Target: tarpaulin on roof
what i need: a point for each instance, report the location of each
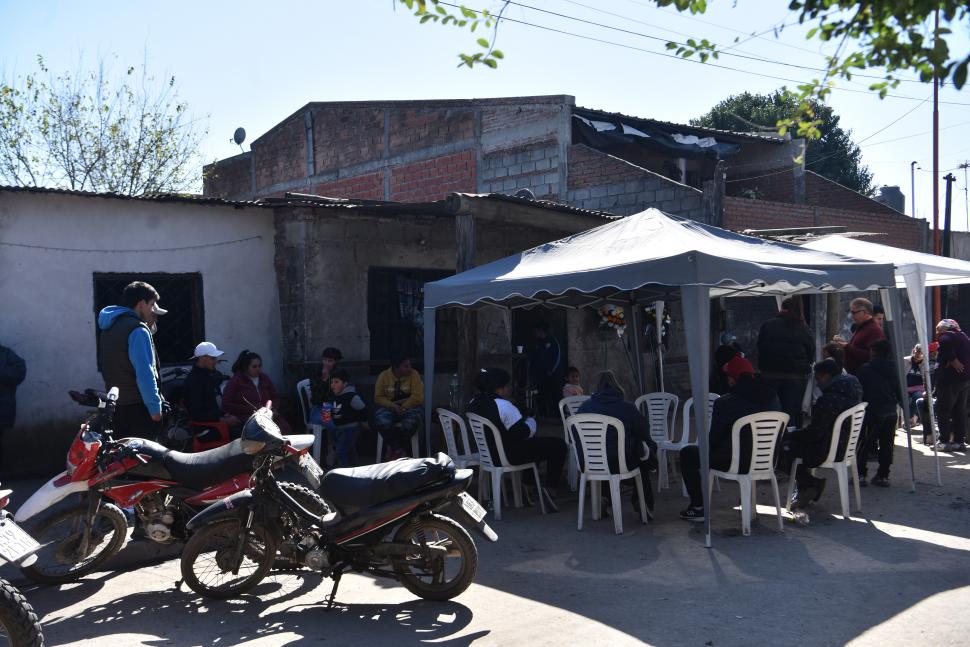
(599, 132)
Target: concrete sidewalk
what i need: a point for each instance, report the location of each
(895, 575)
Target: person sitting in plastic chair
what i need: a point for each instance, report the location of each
(399, 396)
(343, 415)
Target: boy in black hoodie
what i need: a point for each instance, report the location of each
(347, 413)
(880, 388)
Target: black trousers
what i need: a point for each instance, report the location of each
(793, 446)
(951, 411)
(690, 468)
(549, 394)
(133, 421)
(551, 451)
(791, 392)
(881, 430)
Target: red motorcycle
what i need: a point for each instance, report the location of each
(164, 488)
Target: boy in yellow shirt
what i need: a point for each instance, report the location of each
(399, 398)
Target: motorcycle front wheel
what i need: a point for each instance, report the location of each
(438, 578)
(18, 622)
(60, 535)
(212, 554)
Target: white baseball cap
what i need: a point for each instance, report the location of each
(207, 349)
(159, 311)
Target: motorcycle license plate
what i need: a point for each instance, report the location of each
(311, 471)
(15, 543)
(471, 506)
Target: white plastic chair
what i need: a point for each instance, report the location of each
(590, 430)
(843, 467)
(498, 465)
(686, 421)
(464, 456)
(766, 427)
(303, 394)
(415, 450)
(661, 411)
(568, 407)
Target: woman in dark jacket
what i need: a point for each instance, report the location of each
(786, 350)
(517, 431)
(608, 400)
(249, 389)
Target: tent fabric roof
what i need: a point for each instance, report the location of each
(939, 270)
(651, 254)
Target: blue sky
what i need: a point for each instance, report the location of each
(251, 64)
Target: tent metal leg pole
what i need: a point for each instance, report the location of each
(635, 319)
(894, 320)
(658, 322)
(429, 337)
(696, 300)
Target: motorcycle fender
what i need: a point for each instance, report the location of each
(50, 493)
(229, 507)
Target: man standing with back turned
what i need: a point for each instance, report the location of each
(128, 360)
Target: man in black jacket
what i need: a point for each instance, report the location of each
(747, 395)
(880, 388)
(13, 370)
(811, 444)
(786, 350)
(201, 388)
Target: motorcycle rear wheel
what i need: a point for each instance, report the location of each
(442, 578)
(18, 622)
(58, 560)
(211, 553)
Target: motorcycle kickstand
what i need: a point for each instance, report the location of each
(333, 592)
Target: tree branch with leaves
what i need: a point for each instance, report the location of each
(89, 131)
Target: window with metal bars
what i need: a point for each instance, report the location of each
(395, 315)
(181, 294)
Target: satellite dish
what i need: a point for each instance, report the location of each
(239, 137)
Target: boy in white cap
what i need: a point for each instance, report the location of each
(201, 387)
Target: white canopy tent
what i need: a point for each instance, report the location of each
(640, 259)
(915, 272)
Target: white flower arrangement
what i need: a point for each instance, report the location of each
(612, 316)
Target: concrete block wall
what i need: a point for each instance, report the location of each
(604, 182)
(899, 230)
(532, 166)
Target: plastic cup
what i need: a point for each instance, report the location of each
(518, 349)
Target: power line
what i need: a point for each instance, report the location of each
(748, 57)
(695, 61)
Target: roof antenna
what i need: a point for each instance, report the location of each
(239, 137)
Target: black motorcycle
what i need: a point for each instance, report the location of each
(388, 522)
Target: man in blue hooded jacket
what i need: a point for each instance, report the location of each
(128, 360)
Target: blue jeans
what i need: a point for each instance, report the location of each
(343, 440)
(408, 424)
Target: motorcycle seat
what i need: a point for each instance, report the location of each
(351, 489)
(202, 469)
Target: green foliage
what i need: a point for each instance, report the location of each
(88, 131)
(891, 36)
(435, 11)
(832, 154)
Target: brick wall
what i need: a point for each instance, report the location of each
(228, 178)
(281, 154)
(607, 183)
(819, 191)
(414, 129)
(899, 230)
(434, 179)
(343, 137)
(363, 187)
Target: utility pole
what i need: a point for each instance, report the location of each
(947, 235)
(912, 189)
(936, 165)
(966, 195)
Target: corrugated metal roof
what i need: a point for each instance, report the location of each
(771, 139)
(185, 198)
